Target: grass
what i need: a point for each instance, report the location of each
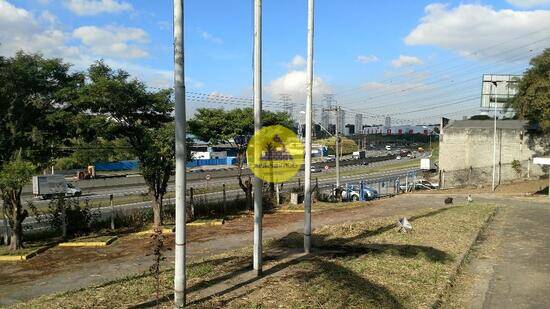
(28, 248)
(364, 265)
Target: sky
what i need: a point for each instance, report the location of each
(412, 60)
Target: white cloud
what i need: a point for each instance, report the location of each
(94, 7)
(48, 17)
(297, 62)
(404, 61)
(470, 29)
(294, 84)
(111, 41)
(21, 30)
(210, 38)
(529, 3)
(366, 59)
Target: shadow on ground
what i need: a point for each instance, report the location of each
(322, 260)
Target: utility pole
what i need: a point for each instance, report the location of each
(495, 83)
(287, 105)
(258, 183)
(179, 92)
(337, 146)
(309, 112)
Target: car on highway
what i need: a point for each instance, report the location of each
(70, 191)
(420, 185)
(315, 169)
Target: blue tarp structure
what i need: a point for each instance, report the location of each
(130, 165)
(118, 166)
(203, 162)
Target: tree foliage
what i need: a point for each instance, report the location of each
(36, 118)
(533, 99)
(235, 127)
(216, 125)
(141, 117)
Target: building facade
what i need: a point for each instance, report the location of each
(466, 152)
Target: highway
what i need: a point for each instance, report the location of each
(386, 177)
(119, 187)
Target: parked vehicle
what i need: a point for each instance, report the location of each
(329, 158)
(47, 186)
(388, 147)
(420, 185)
(398, 158)
(354, 194)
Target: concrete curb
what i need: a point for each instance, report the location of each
(207, 223)
(26, 257)
(89, 243)
(463, 260)
(164, 231)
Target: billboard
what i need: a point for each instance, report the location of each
(498, 89)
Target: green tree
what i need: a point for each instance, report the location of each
(13, 176)
(36, 118)
(234, 127)
(157, 163)
(141, 117)
(532, 101)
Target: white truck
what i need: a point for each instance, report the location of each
(426, 164)
(359, 154)
(47, 186)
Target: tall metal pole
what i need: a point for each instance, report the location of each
(179, 92)
(337, 147)
(495, 139)
(258, 183)
(309, 111)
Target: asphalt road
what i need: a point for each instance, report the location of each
(375, 180)
(197, 180)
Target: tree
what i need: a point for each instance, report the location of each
(157, 163)
(234, 127)
(13, 176)
(141, 117)
(36, 118)
(532, 101)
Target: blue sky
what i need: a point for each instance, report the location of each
(403, 55)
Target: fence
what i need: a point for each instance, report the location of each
(384, 186)
(219, 201)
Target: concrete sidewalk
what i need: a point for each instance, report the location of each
(512, 269)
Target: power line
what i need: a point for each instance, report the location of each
(456, 58)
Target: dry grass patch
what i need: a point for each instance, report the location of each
(362, 265)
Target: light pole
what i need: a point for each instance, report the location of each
(495, 83)
(179, 93)
(309, 114)
(258, 183)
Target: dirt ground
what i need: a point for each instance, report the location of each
(62, 269)
(526, 188)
